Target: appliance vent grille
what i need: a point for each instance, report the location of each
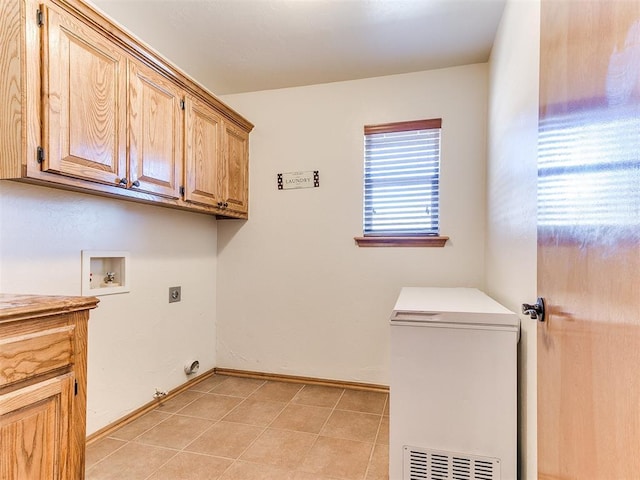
(426, 464)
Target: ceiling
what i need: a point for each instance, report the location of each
(233, 46)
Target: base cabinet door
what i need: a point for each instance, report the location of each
(34, 431)
(84, 101)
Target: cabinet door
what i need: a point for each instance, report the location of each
(34, 431)
(155, 133)
(234, 169)
(203, 142)
(84, 101)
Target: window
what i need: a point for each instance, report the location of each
(401, 184)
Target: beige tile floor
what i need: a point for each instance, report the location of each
(232, 428)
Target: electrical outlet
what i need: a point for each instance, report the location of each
(175, 294)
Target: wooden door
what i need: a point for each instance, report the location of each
(84, 101)
(34, 431)
(155, 133)
(589, 241)
(203, 139)
(234, 170)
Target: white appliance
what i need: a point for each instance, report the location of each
(453, 404)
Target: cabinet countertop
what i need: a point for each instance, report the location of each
(14, 307)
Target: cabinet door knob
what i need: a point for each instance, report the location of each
(122, 181)
(136, 183)
(220, 204)
(225, 204)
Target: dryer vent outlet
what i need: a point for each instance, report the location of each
(191, 368)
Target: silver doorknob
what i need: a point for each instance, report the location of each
(535, 311)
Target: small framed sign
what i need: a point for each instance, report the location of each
(291, 180)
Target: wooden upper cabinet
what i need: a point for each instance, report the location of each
(234, 169)
(155, 133)
(90, 108)
(203, 127)
(84, 100)
(12, 150)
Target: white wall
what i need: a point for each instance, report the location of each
(137, 341)
(511, 194)
(295, 294)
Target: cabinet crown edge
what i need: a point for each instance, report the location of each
(143, 52)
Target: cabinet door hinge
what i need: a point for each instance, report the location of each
(182, 191)
(40, 18)
(182, 104)
(75, 387)
(40, 156)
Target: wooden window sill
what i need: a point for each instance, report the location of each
(401, 241)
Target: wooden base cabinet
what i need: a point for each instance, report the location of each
(43, 364)
(87, 107)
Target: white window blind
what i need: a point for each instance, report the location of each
(401, 178)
